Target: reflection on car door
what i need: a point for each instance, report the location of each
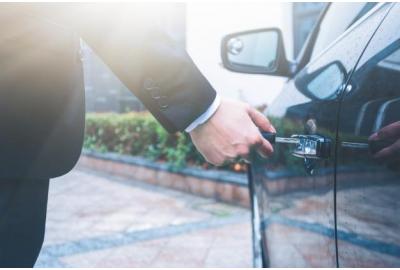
(295, 194)
(368, 179)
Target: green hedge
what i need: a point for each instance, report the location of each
(139, 134)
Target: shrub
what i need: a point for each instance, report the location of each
(139, 134)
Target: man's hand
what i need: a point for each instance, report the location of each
(231, 132)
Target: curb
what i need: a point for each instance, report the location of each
(221, 185)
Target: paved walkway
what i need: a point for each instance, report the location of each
(96, 220)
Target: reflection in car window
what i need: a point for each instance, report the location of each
(332, 26)
(327, 82)
(354, 40)
(250, 49)
(377, 76)
(367, 7)
(343, 55)
(392, 61)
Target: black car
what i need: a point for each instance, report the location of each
(330, 194)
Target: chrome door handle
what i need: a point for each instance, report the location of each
(307, 146)
(312, 146)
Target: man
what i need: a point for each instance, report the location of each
(146, 60)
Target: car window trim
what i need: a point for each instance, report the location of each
(351, 28)
(306, 51)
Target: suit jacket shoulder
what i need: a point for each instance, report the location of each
(146, 59)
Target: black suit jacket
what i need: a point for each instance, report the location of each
(41, 84)
(42, 100)
(148, 61)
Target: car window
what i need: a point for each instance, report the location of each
(339, 17)
(324, 77)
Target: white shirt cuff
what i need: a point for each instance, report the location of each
(206, 115)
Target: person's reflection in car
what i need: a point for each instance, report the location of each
(390, 135)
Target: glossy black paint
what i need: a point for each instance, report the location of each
(340, 211)
(368, 180)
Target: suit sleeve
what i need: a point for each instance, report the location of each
(171, 86)
(147, 60)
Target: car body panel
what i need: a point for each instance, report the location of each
(368, 188)
(294, 197)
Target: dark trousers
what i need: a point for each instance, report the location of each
(23, 205)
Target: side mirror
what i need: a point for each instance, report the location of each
(258, 51)
(324, 83)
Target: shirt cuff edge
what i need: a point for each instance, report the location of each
(206, 115)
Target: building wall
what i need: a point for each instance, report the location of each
(304, 15)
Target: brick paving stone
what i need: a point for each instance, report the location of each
(96, 220)
(204, 248)
(137, 255)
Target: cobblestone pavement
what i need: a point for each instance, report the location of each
(95, 220)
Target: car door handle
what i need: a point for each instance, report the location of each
(372, 146)
(306, 146)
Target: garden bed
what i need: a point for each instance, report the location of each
(222, 185)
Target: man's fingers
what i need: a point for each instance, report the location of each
(264, 148)
(243, 151)
(231, 132)
(261, 121)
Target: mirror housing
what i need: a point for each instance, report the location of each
(325, 83)
(259, 51)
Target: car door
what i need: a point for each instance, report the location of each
(293, 191)
(368, 172)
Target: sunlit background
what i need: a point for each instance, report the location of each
(120, 206)
(199, 27)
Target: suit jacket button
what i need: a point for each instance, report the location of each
(149, 84)
(162, 102)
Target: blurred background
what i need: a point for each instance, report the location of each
(199, 27)
(140, 197)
